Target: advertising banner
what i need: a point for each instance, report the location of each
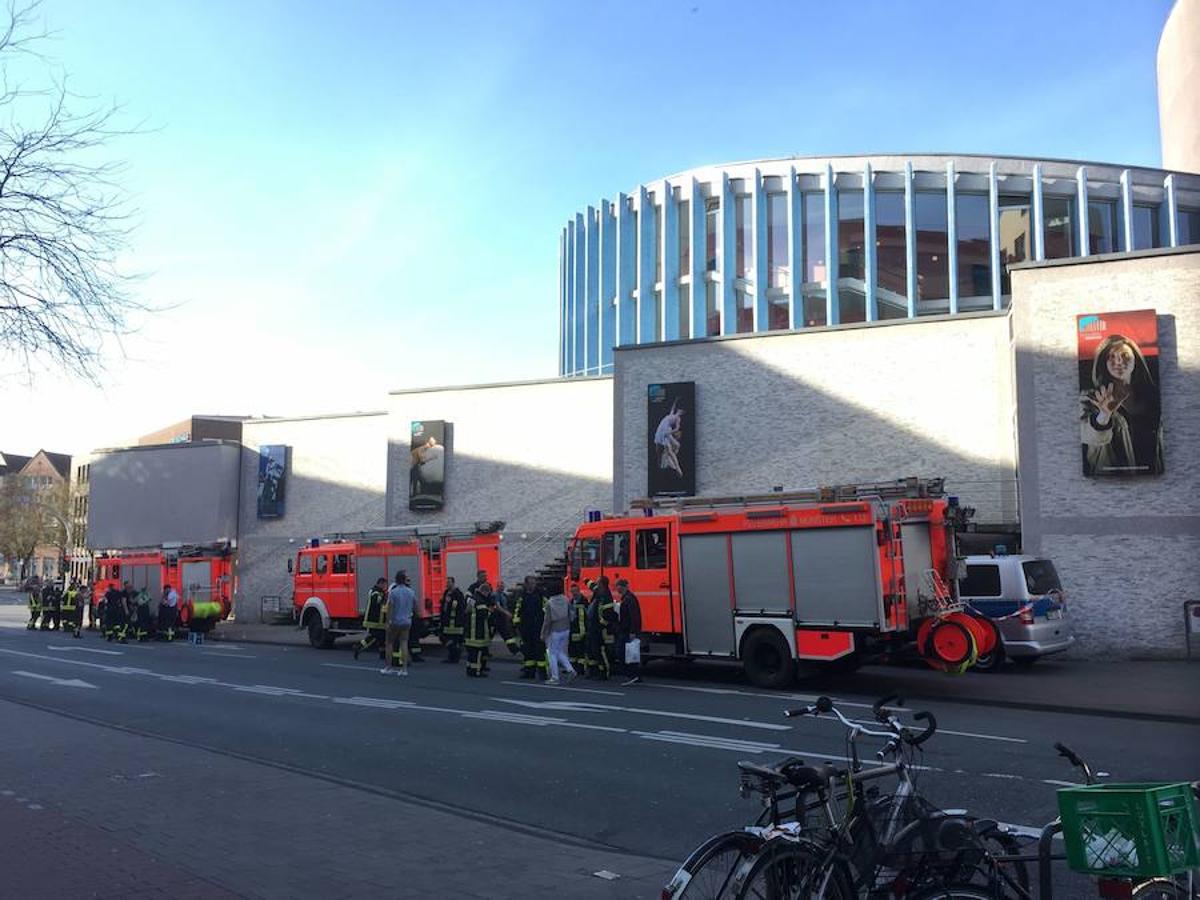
(671, 439)
(427, 466)
(272, 480)
(1120, 404)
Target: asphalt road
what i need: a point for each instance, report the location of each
(647, 770)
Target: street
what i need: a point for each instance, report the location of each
(262, 770)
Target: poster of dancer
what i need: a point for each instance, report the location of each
(1120, 417)
(272, 480)
(427, 466)
(671, 439)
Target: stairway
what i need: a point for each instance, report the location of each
(550, 576)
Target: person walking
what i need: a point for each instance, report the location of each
(599, 636)
(479, 629)
(629, 629)
(556, 630)
(528, 618)
(402, 603)
(375, 619)
(454, 616)
(577, 636)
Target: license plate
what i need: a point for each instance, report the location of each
(1054, 614)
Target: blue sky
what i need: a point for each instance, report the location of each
(340, 199)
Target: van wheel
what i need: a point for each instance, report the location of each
(767, 659)
(318, 637)
(994, 661)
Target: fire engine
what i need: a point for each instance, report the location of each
(790, 583)
(332, 578)
(199, 574)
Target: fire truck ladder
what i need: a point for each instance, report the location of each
(903, 488)
(416, 532)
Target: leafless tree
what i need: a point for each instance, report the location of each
(64, 217)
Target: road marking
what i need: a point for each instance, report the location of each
(1005, 775)
(1056, 783)
(604, 707)
(86, 650)
(63, 682)
(495, 715)
(559, 687)
(870, 723)
(270, 690)
(705, 741)
(375, 702)
(232, 655)
(358, 668)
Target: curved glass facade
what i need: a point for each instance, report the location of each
(801, 243)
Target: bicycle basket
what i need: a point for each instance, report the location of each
(1132, 830)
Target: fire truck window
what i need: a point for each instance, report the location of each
(591, 552)
(616, 548)
(322, 564)
(116, 572)
(305, 567)
(981, 581)
(652, 548)
(341, 563)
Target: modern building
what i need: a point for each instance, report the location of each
(798, 243)
(196, 428)
(1179, 87)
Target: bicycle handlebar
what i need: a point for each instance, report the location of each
(1071, 755)
(882, 714)
(879, 707)
(930, 728)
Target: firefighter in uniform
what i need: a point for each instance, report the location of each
(35, 610)
(528, 618)
(114, 614)
(50, 601)
(71, 612)
(577, 642)
(416, 631)
(454, 609)
(481, 608)
(375, 620)
(600, 638)
(141, 615)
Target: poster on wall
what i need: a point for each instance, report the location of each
(427, 466)
(671, 439)
(272, 480)
(1120, 404)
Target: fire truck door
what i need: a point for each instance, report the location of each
(461, 565)
(918, 559)
(707, 606)
(195, 576)
(614, 555)
(651, 579)
(136, 575)
(154, 582)
(370, 569)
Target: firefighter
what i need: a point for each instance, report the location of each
(375, 620)
(50, 602)
(114, 614)
(35, 610)
(141, 615)
(577, 643)
(71, 612)
(93, 606)
(527, 618)
(504, 623)
(418, 630)
(168, 614)
(454, 609)
(481, 611)
(600, 637)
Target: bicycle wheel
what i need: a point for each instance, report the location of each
(709, 872)
(796, 870)
(955, 892)
(1159, 889)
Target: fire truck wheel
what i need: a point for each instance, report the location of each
(994, 661)
(317, 636)
(767, 658)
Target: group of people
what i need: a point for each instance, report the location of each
(558, 637)
(58, 605)
(124, 611)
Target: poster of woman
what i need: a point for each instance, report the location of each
(1120, 419)
(671, 429)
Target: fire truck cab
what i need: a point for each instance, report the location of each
(332, 578)
(782, 582)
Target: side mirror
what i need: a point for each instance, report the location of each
(289, 565)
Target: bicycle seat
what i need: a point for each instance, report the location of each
(802, 776)
(767, 772)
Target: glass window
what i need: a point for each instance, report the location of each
(745, 311)
(637, 247)
(652, 548)
(685, 311)
(1189, 227)
(891, 256)
(1040, 576)
(933, 273)
(616, 548)
(972, 220)
(744, 237)
(712, 310)
(852, 296)
(658, 316)
(778, 313)
(341, 563)
(1058, 214)
(591, 552)
(777, 240)
(685, 237)
(1016, 236)
(322, 564)
(658, 243)
(712, 209)
(1102, 227)
(1145, 227)
(813, 250)
(981, 581)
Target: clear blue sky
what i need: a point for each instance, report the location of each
(346, 198)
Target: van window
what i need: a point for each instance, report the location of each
(1040, 576)
(305, 566)
(652, 548)
(981, 581)
(616, 548)
(341, 563)
(322, 564)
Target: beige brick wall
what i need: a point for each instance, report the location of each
(1128, 550)
(928, 398)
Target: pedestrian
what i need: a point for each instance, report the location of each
(599, 635)
(93, 606)
(50, 601)
(114, 614)
(35, 610)
(168, 613)
(577, 639)
(454, 615)
(71, 614)
(504, 623)
(418, 630)
(375, 619)
(480, 627)
(556, 629)
(629, 630)
(528, 618)
(402, 604)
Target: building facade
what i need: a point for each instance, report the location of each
(798, 243)
(1179, 87)
(47, 475)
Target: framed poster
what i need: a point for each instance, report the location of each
(272, 480)
(1120, 419)
(427, 466)
(671, 439)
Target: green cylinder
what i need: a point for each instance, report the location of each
(207, 610)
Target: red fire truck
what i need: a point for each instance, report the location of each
(199, 574)
(332, 578)
(788, 583)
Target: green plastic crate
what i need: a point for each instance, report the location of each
(1135, 830)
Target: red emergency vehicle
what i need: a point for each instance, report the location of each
(332, 578)
(788, 583)
(199, 574)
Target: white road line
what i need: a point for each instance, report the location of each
(232, 655)
(871, 723)
(559, 687)
(358, 668)
(272, 691)
(1005, 775)
(722, 740)
(705, 741)
(375, 702)
(664, 713)
(86, 650)
(62, 682)
(1056, 783)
